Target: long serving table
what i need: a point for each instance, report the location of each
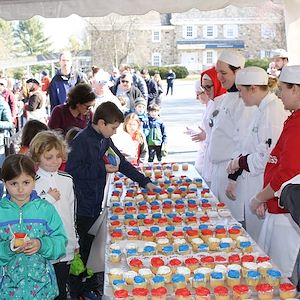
(186, 213)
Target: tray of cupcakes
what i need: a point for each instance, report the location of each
(179, 242)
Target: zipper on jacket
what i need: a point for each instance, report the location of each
(20, 216)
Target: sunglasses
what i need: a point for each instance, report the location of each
(211, 120)
(124, 81)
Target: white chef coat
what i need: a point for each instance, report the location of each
(230, 126)
(65, 206)
(266, 126)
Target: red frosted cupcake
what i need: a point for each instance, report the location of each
(202, 293)
(118, 211)
(148, 222)
(191, 220)
(234, 233)
(133, 223)
(192, 263)
(162, 222)
(177, 221)
(133, 235)
(116, 236)
(234, 259)
(140, 294)
(130, 210)
(167, 208)
(221, 293)
(207, 261)
(155, 263)
(287, 290)
(220, 233)
(159, 293)
(183, 294)
(161, 235)
(261, 259)
(264, 291)
(178, 234)
(241, 291)
(143, 209)
(204, 219)
(206, 234)
(135, 264)
(192, 234)
(221, 205)
(174, 263)
(247, 258)
(115, 224)
(205, 206)
(121, 295)
(147, 235)
(179, 208)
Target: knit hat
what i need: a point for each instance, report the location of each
(290, 74)
(232, 58)
(251, 75)
(140, 100)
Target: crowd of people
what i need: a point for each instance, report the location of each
(249, 143)
(65, 128)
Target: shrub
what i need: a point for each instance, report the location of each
(262, 63)
(181, 72)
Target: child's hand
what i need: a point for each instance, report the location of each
(54, 193)
(111, 168)
(31, 246)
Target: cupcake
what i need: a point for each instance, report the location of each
(264, 291)
(273, 277)
(234, 233)
(139, 281)
(204, 219)
(146, 273)
(247, 258)
(195, 243)
(115, 274)
(221, 293)
(184, 249)
(162, 222)
(115, 256)
(115, 224)
(183, 294)
(213, 243)
(177, 221)
(216, 279)
(177, 242)
(185, 167)
(166, 272)
(287, 290)
(207, 261)
(220, 233)
(178, 234)
(184, 271)
(221, 260)
(263, 268)
(191, 234)
(161, 243)
(202, 293)
(174, 263)
(234, 259)
(253, 278)
(203, 247)
(159, 293)
(133, 235)
(205, 271)
(148, 222)
(198, 280)
(225, 247)
(192, 220)
(192, 263)
(167, 250)
(129, 276)
(206, 234)
(121, 295)
(119, 284)
(155, 263)
(246, 246)
(147, 235)
(140, 294)
(141, 218)
(178, 281)
(116, 236)
(157, 281)
(241, 291)
(167, 208)
(248, 266)
(135, 264)
(233, 278)
(161, 235)
(154, 229)
(133, 223)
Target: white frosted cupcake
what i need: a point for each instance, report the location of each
(177, 242)
(213, 243)
(115, 274)
(186, 272)
(166, 272)
(248, 266)
(161, 243)
(114, 246)
(195, 243)
(205, 271)
(129, 276)
(263, 267)
(220, 268)
(147, 273)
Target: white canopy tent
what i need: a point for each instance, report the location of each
(25, 9)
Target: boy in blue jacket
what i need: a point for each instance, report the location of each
(157, 138)
(88, 164)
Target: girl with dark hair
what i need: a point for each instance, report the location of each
(77, 112)
(31, 235)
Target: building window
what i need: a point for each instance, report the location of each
(156, 59)
(265, 53)
(209, 57)
(267, 31)
(210, 31)
(189, 32)
(230, 31)
(156, 36)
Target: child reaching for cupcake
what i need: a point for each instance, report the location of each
(26, 270)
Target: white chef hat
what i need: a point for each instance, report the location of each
(290, 74)
(232, 58)
(280, 53)
(251, 76)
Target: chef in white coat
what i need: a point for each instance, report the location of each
(264, 131)
(228, 126)
(280, 235)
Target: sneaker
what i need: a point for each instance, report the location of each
(91, 296)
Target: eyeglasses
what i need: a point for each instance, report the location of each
(211, 120)
(124, 81)
(207, 87)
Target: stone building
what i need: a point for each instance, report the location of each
(193, 39)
